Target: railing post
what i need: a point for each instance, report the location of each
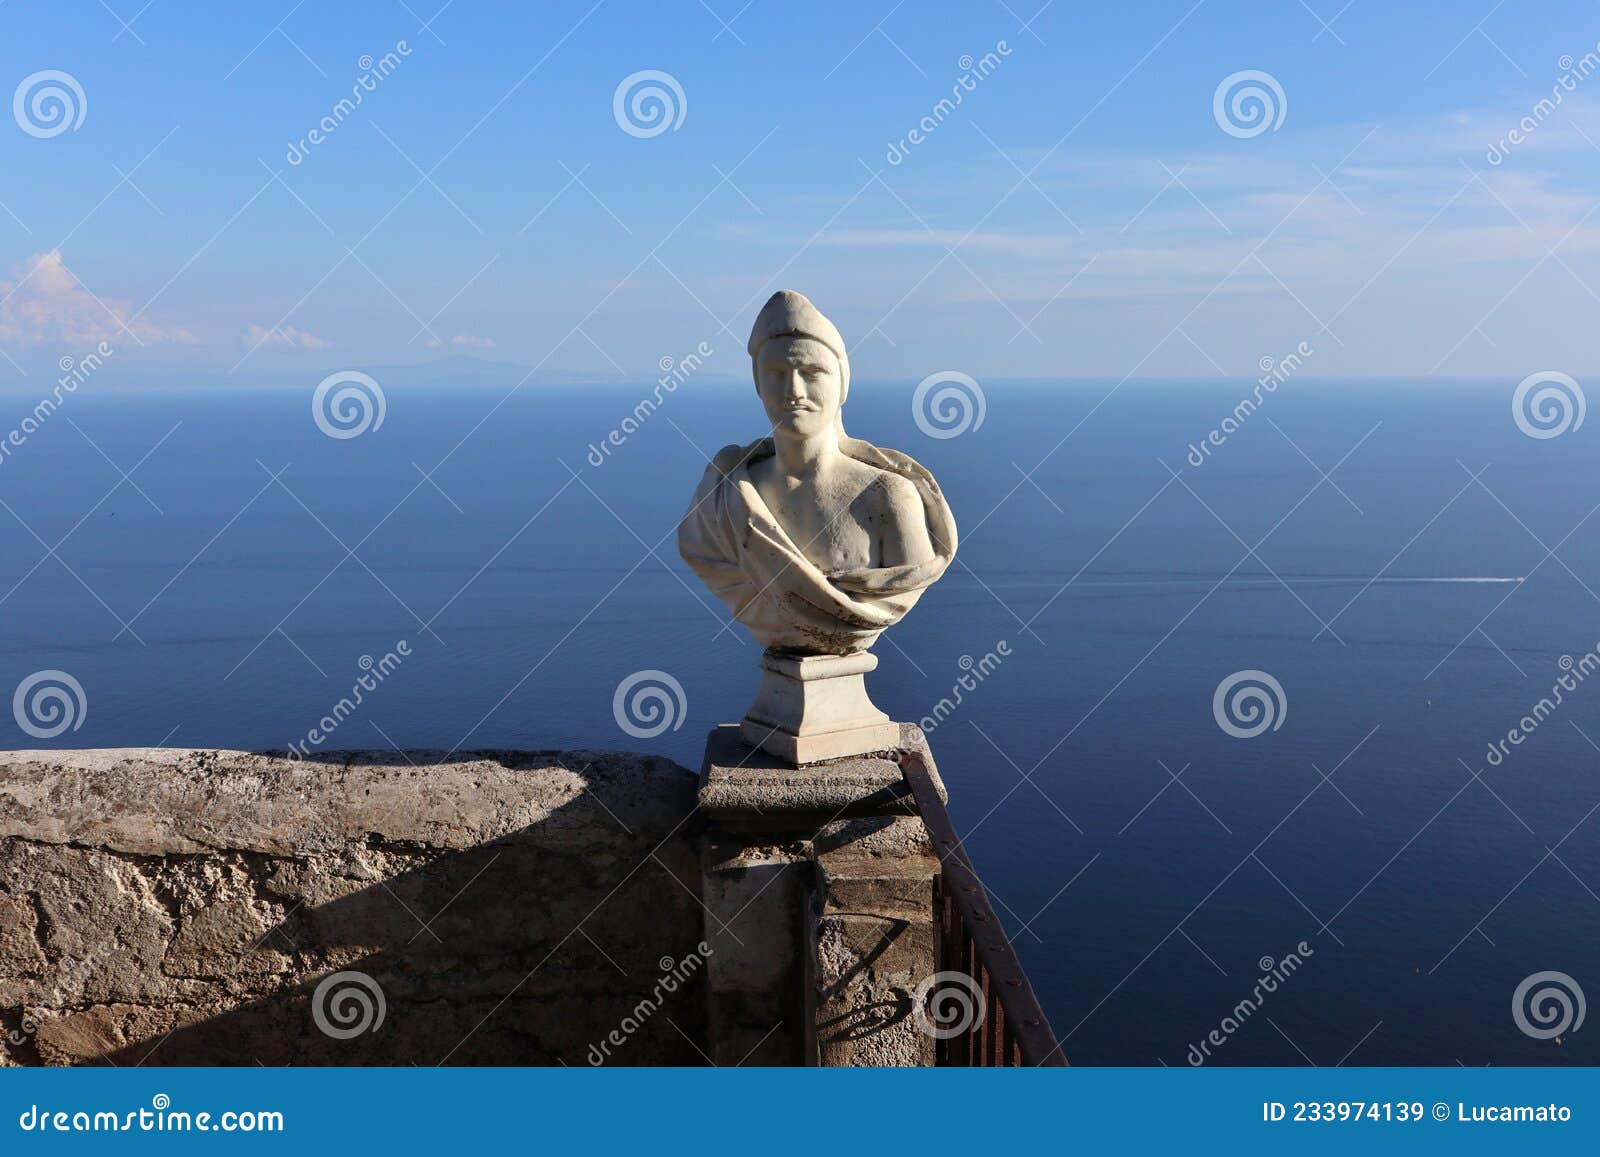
(819, 905)
(871, 932)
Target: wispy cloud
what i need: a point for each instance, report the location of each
(285, 336)
(464, 341)
(1014, 244)
(47, 303)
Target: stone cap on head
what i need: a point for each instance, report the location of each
(791, 314)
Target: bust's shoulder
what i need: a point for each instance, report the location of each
(896, 486)
(877, 475)
(900, 494)
(884, 488)
(733, 456)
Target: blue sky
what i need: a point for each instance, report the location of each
(1082, 213)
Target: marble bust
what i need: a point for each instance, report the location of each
(816, 541)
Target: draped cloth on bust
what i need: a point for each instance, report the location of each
(732, 541)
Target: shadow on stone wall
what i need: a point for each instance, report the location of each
(182, 908)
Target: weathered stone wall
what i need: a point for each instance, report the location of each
(182, 907)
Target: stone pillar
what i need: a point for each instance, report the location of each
(818, 889)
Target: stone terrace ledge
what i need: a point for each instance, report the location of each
(167, 906)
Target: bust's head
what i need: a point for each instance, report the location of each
(799, 383)
(801, 370)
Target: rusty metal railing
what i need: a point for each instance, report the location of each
(1011, 1029)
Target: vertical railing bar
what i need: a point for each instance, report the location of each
(1015, 1031)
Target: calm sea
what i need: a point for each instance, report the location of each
(1382, 550)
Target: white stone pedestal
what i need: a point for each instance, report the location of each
(815, 707)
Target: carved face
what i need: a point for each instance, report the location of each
(800, 386)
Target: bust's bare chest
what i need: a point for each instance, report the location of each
(833, 519)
